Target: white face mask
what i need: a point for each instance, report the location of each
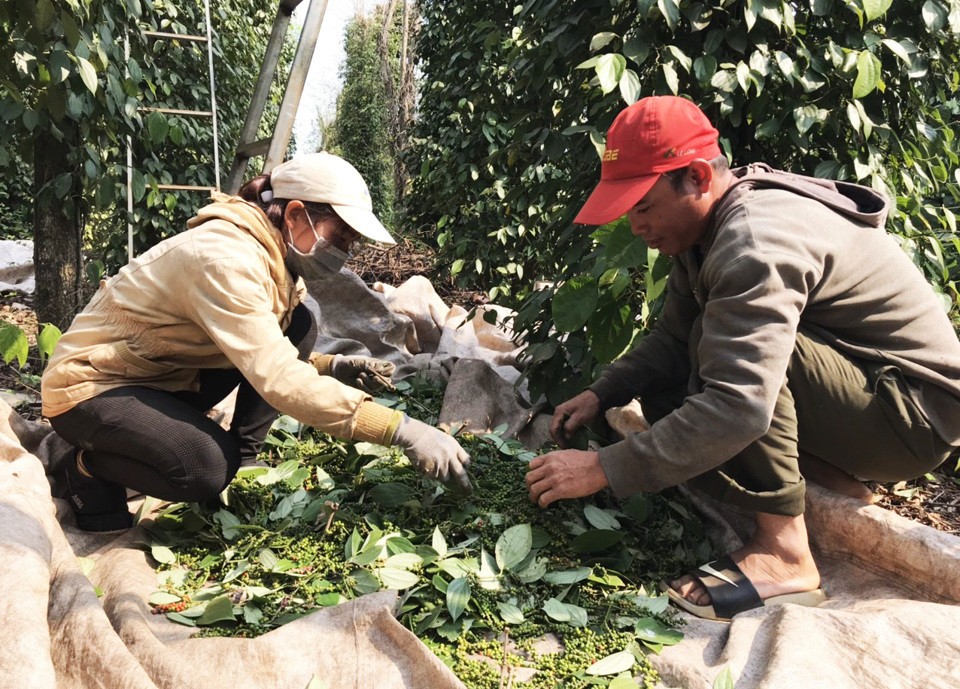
(323, 261)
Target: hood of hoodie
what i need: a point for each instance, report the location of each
(248, 217)
(858, 203)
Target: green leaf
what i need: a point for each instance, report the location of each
(724, 680)
(391, 494)
(613, 664)
(180, 618)
(229, 523)
(821, 8)
(393, 578)
(600, 519)
(897, 49)
(268, 559)
(636, 48)
(47, 340)
(630, 86)
(458, 596)
(652, 630)
(622, 682)
(532, 572)
(704, 67)
(162, 598)
(88, 74)
(868, 74)
(45, 14)
(439, 543)
(163, 554)
(30, 119)
(13, 344)
(725, 80)
(510, 613)
(404, 561)
(574, 303)
(556, 610)
(513, 546)
(565, 577)
(805, 117)
(601, 39)
(670, 9)
(673, 80)
(219, 609)
(934, 16)
(157, 127)
(609, 69)
(595, 540)
(610, 331)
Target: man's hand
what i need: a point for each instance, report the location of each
(565, 474)
(363, 372)
(434, 453)
(572, 414)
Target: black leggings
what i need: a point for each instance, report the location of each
(163, 444)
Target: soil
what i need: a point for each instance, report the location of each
(933, 500)
(394, 265)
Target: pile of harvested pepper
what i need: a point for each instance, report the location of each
(504, 592)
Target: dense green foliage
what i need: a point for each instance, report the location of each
(361, 131)
(862, 90)
(64, 72)
(332, 520)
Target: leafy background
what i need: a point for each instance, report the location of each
(514, 100)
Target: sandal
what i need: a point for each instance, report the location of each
(731, 592)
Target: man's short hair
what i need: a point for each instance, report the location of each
(719, 164)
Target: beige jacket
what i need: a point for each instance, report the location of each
(215, 296)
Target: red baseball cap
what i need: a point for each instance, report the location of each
(652, 136)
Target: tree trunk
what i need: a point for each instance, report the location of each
(56, 237)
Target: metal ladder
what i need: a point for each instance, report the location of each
(211, 113)
(274, 147)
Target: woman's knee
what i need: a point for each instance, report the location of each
(206, 467)
(302, 331)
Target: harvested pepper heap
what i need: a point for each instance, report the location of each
(506, 593)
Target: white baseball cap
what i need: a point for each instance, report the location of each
(326, 178)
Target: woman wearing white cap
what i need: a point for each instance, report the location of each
(214, 307)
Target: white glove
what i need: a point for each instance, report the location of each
(363, 372)
(434, 453)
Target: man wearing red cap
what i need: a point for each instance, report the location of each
(795, 330)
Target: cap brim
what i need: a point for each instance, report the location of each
(364, 222)
(613, 198)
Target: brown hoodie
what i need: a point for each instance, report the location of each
(215, 296)
(782, 252)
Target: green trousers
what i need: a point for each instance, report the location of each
(853, 414)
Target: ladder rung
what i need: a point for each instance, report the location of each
(254, 149)
(184, 187)
(171, 111)
(180, 36)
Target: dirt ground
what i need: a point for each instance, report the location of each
(933, 500)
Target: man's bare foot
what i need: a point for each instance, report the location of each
(835, 479)
(777, 560)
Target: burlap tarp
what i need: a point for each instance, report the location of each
(894, 584)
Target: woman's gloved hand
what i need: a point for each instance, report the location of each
(362, 372)
(434, 453)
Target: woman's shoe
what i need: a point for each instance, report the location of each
(97, 505)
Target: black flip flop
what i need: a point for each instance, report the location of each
(731, 592)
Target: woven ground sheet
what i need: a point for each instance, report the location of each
(894, 585)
